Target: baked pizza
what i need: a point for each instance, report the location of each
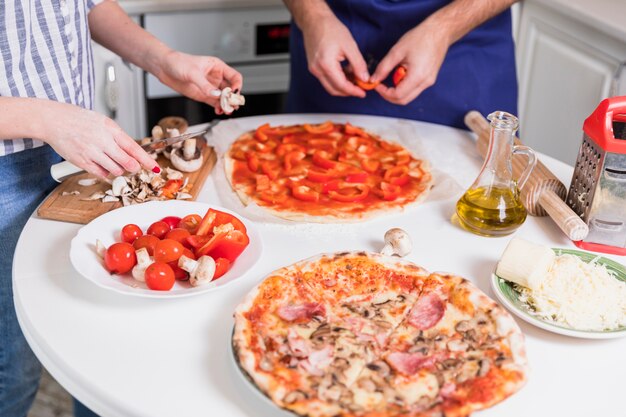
(324, 173)
(362, 334)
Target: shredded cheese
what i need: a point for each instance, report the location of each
(583, 296)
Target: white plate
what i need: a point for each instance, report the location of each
(107, 228)
(509, 297)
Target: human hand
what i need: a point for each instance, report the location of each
(327, 43)
(197, 76)
(422, 51)
(92, 141)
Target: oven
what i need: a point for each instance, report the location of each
(252, 39)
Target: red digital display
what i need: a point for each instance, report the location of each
(272, 39)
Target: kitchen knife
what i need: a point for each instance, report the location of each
(65, 169)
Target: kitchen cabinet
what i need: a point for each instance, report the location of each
(570, 56)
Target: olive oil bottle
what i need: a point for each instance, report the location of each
(492, 205)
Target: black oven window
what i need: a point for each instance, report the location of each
(272, 39)
(195, 112)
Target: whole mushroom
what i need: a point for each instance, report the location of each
(188, 158)
(397, 242)
(143, 262)
(200, 272)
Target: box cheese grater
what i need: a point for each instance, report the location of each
(598, 189)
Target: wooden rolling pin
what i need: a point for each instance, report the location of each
(543, 193)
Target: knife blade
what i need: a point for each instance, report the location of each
(63, 170)
(162, 143)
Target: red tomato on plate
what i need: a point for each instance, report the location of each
(130, 232)
(120, 258)
(172, 221)
(159, 229)
(180, 235)
(168, 250)
(160, 277)
(146, 241)
(190, 222)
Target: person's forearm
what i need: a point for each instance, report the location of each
(461, 16)
(22, 117)
(307, 12)
(112, 28)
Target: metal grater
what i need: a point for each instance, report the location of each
(598, 189)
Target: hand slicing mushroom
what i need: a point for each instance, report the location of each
(201, 271)
(397, 242)
(229, 100)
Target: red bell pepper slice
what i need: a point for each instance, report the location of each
(390, 147)
(370, 165)
(270, 169)
(214, 218)
(222, 265)
(331, 186)
(292, 158)
(262, 182)
(304, 193)
(320, 158)
(273, 198)
(260, 133)
(350, 193)
(320, 176)
(253, 161)
(170, 188)
(397, 175)
(387, 192)
(357, 178)
(285, 148)
(403, 158)
(225, 245)
(399, 74)
(325, 127)
(353, 130)
(196, 241)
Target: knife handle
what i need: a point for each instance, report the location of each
(64, 169)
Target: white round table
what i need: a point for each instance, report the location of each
(124, 356)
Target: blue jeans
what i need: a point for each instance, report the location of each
(24, 182)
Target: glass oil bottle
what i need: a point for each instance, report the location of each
(492, 205)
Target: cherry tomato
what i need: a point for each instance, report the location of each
(222, 265)
(190, 222)
(179, 235)
(146, 241)
(179, 273)
(120, 258)
(160, 277)
(399, 74)
(159, 229)
(168, 250)
(172, 221)
(130, 232)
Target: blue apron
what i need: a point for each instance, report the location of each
(478, 72)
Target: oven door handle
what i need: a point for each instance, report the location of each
(111, 90)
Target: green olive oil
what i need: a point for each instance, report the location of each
(491, 211)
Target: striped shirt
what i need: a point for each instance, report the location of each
(45, 52)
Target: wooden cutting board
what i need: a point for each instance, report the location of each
(70, 208)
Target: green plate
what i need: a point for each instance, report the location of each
(510, 298)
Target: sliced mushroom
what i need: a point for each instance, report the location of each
(229, 100)
(173, 174)
(294, 396)
(86, 182)
(397, 242)
(173, 122)
(380, 367)
(367, 384)
(265, 364)
(457, 345)
(73, 192)
(110, 199)
(100, 248)
(463, 326)
(95, 196)
(485, 366)
(119, 186)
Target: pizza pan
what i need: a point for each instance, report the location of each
(509, 297)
